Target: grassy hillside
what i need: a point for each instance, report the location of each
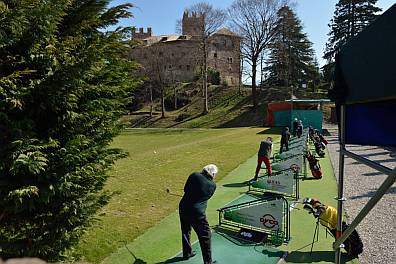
(160, 159)
(227, 108)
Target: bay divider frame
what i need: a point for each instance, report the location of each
(296, 190)
(285, 214)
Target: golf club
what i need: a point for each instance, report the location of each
(171, 193)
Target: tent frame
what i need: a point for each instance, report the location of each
(386, 185)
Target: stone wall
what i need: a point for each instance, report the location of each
(224, 56)
(179, 60)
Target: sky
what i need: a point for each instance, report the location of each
(161, 15)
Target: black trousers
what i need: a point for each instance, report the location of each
(286, 144)
(201, 227)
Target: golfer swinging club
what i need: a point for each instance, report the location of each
(198, 189)
(264, 154)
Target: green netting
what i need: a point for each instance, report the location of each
(312, 118)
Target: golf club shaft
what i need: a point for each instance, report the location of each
(174, 194)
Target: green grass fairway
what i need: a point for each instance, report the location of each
(162, 159)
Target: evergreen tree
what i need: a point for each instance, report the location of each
(350, 18)
(291, 58)
(64, 82)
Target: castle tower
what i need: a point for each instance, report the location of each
(192, 24)
(140, 34)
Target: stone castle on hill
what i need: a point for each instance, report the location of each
(180, 55)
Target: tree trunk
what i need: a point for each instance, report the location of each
(151, 101)
(261, 72)
(353, 19)
(175, 96)
(349, 20)
(205, 78)
(162, 102)
(240, 75)
(254, 91)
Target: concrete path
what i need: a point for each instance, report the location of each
(378, 229)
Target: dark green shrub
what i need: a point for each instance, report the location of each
(213, 76)
(64, 83)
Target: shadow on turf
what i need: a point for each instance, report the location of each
(172, 260)
(272, 254)
(308, 178)
(271, 131)
(236, 184)
(316, 256)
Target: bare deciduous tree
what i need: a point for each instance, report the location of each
(158, 67)
(255, 21)
(213, 19)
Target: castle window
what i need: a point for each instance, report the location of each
(160, 53)
(215, 55)
(229, 60)
(188, 67)
(180, 67)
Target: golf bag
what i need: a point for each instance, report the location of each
(311, 134)
(353, 244)
(328, 218)
(318, 148)
(323, 140)
(314, 165)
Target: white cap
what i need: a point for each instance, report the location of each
(211, 169)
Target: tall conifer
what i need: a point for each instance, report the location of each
(350, 18)
(64, 81)
(292, 59)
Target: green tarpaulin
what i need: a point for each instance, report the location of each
(365, 66)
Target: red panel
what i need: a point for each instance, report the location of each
(273, 107)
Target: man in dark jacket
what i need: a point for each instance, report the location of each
(285, 139)
(198, 189)
(264, 154)
(300, 128)
(295, 125)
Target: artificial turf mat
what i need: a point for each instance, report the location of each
(161, 242)
(228, 249)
